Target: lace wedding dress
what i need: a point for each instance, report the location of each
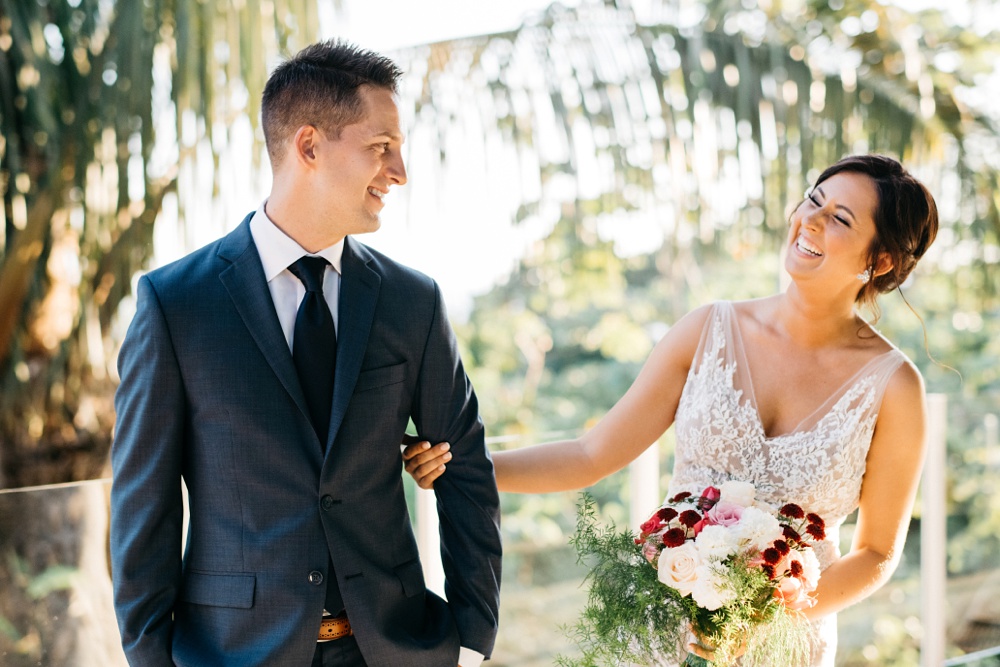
(818, 465)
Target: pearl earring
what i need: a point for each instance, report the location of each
(865, 276)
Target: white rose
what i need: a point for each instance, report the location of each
(711, 590)
(766, 507)
(758, 528)
(737, 493)
(677, 567)
(716, 542)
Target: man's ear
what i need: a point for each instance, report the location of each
(304, 144)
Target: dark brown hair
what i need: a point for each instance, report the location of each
(319, 87)
(906, 220)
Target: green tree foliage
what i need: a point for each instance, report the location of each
(87, 87)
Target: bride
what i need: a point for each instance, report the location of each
(795, 392)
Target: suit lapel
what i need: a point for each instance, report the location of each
(244, 280)
(359, 286)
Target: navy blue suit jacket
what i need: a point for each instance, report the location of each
(209, 394)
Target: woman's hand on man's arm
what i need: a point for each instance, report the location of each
(423, 462)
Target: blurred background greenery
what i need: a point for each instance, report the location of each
(578, 182)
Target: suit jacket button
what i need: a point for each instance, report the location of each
(326, 502)
(315, 578)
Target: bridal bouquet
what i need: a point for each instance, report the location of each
(720, 564)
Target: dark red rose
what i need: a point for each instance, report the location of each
(793, 511)
(791, 534)
(639, 540)
(674, 537)
(689, 518)
(816, 532)
(771, 556)
(681, 496)
(795, 568)
(768, 570)
(667, 514)
(782, 547)
(816, 520)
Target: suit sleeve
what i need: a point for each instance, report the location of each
(146, 503)
(446, 409)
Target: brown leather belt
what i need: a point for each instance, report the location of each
(334, 627)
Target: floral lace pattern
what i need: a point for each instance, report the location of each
(819, 465)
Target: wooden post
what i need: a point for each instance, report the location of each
(55, 585)
(934, 535)
(991, 427)
(644, 486)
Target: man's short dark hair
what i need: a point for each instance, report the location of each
(319, 87)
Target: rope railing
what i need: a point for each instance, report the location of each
(973, 658)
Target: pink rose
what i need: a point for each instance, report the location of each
(795, 596)
(802, 566)
(724, 514)
(650, 551)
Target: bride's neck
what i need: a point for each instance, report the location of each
(815, 322)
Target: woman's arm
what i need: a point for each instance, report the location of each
(630, 427)
(892, 475)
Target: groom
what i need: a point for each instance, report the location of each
(275, 371)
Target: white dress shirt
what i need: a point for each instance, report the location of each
(277, 252)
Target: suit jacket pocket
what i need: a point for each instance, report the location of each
(411, 575)
(380, 377)
(219, 589)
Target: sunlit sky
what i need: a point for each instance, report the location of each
(466, 245)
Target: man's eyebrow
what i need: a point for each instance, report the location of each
(840, 206)
(388, 134)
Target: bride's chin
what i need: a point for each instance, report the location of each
(791, 270)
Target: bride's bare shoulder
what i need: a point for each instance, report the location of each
(677, 348)
(693, 323)
(756, 313)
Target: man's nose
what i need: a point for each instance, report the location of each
(396, 170)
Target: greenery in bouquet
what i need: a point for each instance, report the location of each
(733, 571)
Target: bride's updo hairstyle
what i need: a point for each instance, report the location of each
(906, 220)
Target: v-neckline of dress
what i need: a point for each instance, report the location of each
(829, 403)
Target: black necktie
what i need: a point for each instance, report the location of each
(314, 343)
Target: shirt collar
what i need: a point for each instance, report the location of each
(278, 251)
